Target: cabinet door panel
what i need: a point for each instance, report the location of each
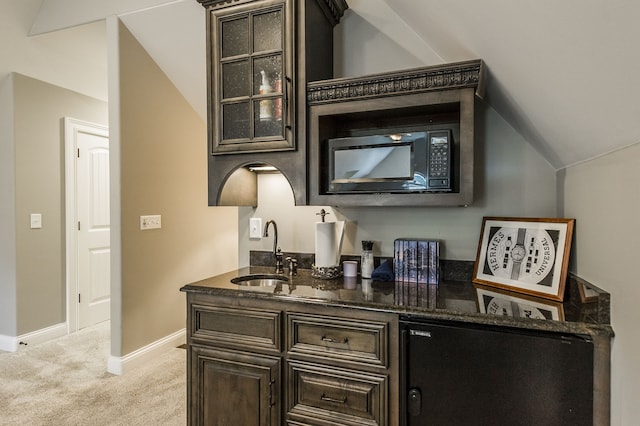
(271, 65)
(234, 388)
(267, 31)
(235, 37)
(235, 124)
(266, 127)
(235, 79)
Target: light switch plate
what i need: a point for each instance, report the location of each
(150, 222)
(255, 227)
(36, 220)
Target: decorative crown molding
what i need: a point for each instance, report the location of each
(333, 9)
(218, 3)
(440, 77)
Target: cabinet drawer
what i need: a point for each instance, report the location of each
(236, 327)
(332, 396)
(355, 341)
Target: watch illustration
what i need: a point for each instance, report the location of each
(518, 253)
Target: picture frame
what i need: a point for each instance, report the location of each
(509, 304)
(525, 255)
(587, 293)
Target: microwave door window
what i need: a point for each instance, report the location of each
(362, 163)
(392, 163)
(372, 164)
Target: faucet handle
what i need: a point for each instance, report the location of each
(292, 264)
(279, 263)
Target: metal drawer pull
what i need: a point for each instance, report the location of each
(329, 399)
(330, 340)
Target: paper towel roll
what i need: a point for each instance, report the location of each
(328, 243)
(325, 244)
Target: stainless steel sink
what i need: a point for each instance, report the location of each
(260, 280)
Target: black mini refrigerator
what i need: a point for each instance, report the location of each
(466, 374)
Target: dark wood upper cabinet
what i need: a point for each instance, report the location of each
(260, 56)
(272, 100)
(251, 69)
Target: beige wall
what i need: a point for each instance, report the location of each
(7, 211)
(161, 145)
(603, 196)
(62, 59)
(74, 58)
(39, 109)
(360, 46)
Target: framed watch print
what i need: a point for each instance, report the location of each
(525, 255)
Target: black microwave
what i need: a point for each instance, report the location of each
(401, 162)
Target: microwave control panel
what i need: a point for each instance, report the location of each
(439, 160)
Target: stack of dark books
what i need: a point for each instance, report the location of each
(416, 266)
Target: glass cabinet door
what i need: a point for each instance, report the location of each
(248, 62)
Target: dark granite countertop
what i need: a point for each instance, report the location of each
(451, 300)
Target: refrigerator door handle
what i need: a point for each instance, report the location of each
(414, 402)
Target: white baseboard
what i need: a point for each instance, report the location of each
(13, 344)
(137, 358)
(8, 343)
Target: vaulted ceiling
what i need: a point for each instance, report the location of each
(565, 75)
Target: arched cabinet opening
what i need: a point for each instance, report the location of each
(240, 187)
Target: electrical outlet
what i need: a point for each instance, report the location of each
(255, 227)
(150, 222)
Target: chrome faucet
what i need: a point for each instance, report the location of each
(276, 250)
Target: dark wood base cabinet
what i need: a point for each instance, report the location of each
(268, 362)
(257, 362)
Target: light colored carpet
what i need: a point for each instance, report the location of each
(65, 382)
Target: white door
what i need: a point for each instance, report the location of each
(92, 230)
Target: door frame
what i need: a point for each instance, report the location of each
(72, 127)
